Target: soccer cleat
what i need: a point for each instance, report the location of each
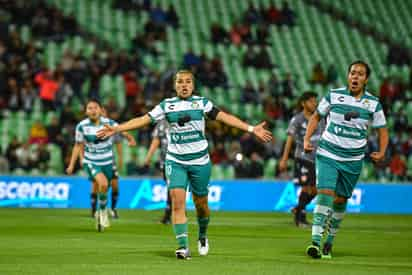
(114, 214)
(327, 251)
(203, 246)
(165, 220)
(313, 251)
(104, 218)
(183, 253)
(98, 218)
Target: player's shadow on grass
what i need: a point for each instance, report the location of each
(163, 253)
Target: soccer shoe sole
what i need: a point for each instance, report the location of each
(314, 252)
(181, 255)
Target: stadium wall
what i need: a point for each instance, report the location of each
(228, 195)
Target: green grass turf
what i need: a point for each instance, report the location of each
(47, 241)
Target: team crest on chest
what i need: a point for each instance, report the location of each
(195, 105)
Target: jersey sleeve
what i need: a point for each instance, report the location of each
(378, 119)
(79, 136)
(207, 106)
(157, 113)
(324, 105)
(293, 127)
(155, 132)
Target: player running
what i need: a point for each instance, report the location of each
(341, 150)
(304, 162)
(159, 139)
(98, 156)
(187, 158)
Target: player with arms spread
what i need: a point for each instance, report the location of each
(187, 159)
(341, 150)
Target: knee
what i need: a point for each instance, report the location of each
(178, 204)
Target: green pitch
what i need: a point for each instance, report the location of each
(65, 242)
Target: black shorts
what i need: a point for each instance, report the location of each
(305, 173)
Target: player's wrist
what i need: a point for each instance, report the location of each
(251, 129)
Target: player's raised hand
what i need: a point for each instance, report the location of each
(261, 133)
(131, 142)
(377, 156)
(307, 146)
(106, 131)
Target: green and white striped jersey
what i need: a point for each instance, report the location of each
(187, 142)
(96, 151)
(345, 135)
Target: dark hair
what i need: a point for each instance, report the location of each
(360, 62)
(304, 97)
(95, 100)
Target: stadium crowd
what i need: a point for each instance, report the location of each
(24, 79)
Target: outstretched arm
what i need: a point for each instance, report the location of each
(132, 124)
(258, 130)
(312, 125)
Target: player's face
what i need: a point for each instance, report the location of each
(310, 104)
(93, 111)
(357, 78)
(184, 85)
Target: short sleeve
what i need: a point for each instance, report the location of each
(378, 120)
(157, 113)
(324, 105)
(155, 132)
(79, 136)
(207, 105)
(293, 127)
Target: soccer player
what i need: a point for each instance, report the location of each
(187, 158)
(98, 156)
(304, 162)
(159, 139)
(114, 184)
(341, 150)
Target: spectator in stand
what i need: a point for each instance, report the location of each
(288, 86)
(255, 166)
(249, 58)
(191, 59)
(171, 17)
(14, 102)
(251, 15)
(287, 15)
(38, 133)
(24, 157)
(262, 34)
(48, 87)
(249, 94)
(263, 59)
(219, 154)
(54, 132)
(76, 77)
(397, 166)
(41, 158)
(29, 95)
(332, 75)
(318, 75)
(273, 15)
(132, 88)
(218, 34)
(11, 153)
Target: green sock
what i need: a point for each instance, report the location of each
(102, 197)
(322, 210)
(336, 219)
(203, 224)
(181, 234)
